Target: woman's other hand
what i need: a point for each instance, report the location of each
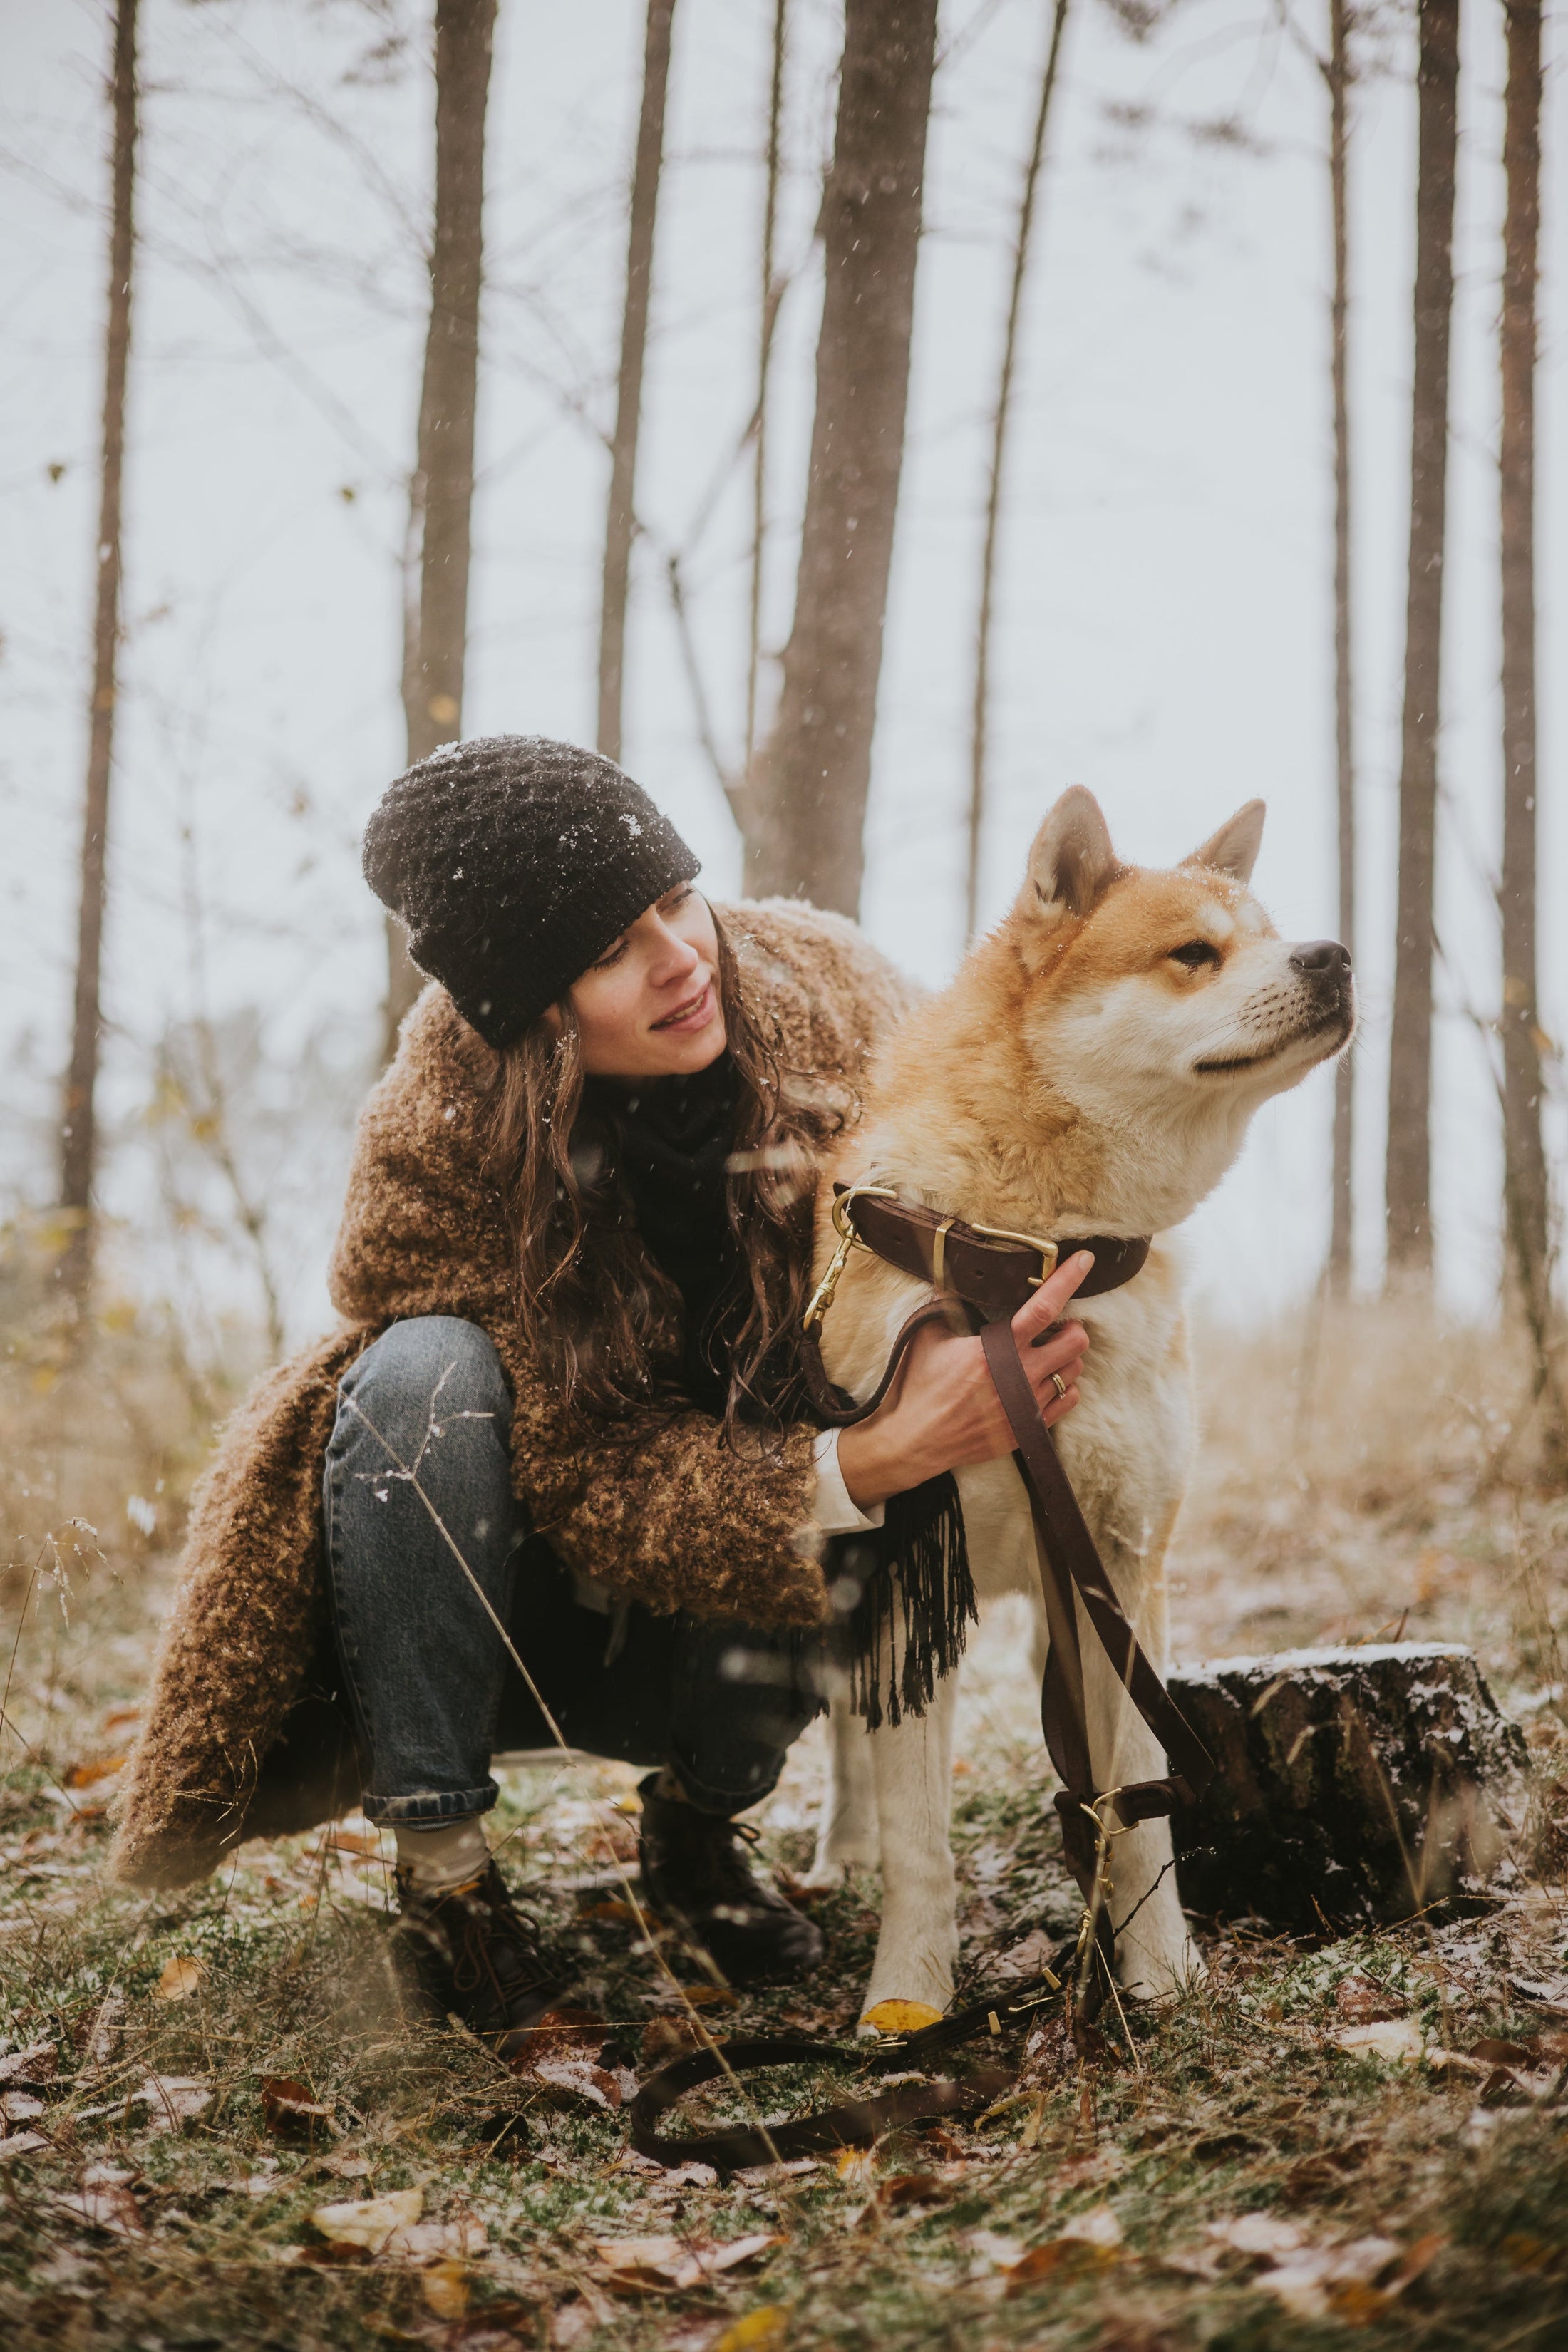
(942, 1412)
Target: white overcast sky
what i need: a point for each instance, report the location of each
(1164, 628)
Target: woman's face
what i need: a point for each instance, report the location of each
(649, 1007)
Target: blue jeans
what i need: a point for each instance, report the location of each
(418, 1472)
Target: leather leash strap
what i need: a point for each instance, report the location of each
(993, 1274)
(854, 2123)
(1067, 1558)
(857, 2122)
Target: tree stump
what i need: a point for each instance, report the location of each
(1355, 1786)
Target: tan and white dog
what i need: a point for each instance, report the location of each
(1091, 1068)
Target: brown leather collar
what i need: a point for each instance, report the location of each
(990, 1270)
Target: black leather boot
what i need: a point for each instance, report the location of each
(479, 1957)
(696, 1873)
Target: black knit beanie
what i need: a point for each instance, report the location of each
(514, 861)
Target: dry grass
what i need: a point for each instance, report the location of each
(1394, 1486)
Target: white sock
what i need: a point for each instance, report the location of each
(442, 1853)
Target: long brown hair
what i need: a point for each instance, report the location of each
(596, 1309)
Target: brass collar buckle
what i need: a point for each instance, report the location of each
(1048, 1250)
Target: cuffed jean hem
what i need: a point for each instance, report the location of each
(431, 1806)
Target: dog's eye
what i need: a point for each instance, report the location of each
(1196, 952)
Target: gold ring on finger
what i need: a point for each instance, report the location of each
(1060, 1385)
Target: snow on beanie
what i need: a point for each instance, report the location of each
(514, 861)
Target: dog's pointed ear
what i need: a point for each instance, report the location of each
(1234, 848)
(1072, 862)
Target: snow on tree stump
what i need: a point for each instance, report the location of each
(1354, 1786)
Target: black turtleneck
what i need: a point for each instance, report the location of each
(670, 1141)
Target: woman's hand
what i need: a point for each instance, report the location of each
(942, 1412)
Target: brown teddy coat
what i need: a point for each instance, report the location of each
(239, 1739)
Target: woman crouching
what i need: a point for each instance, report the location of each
(555, 1479)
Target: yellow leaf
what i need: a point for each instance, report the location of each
(900, 2016)
(856, 2167)
(181, 1977)
(445, 2286)
(760, 2330)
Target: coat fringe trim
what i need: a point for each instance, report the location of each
(909, 1604)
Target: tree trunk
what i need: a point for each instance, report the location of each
(1409, 1172)
(1356, 1786)
(1524, 1159)
(78, 1126)
(815, 769)
(620, 524)
(772, 291)
(441, 493)
(1001, 418)
(1338, 77)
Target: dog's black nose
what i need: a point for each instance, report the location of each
(1323, 960)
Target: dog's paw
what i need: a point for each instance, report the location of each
(922, 1977)
(822, 1878)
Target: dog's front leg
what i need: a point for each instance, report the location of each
(919, 1942)
(846, 1837)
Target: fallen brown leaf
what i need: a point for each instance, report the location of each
(1314, 2177)
(181, 1977)
(492, 2328)
(101, 1767)
(291, 2111)
(908, 2188)
(1527, 2254)
(664, 2038)
(1090, 2240)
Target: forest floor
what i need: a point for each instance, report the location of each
(193, 2084)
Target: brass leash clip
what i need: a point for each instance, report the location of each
(849, 1239)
